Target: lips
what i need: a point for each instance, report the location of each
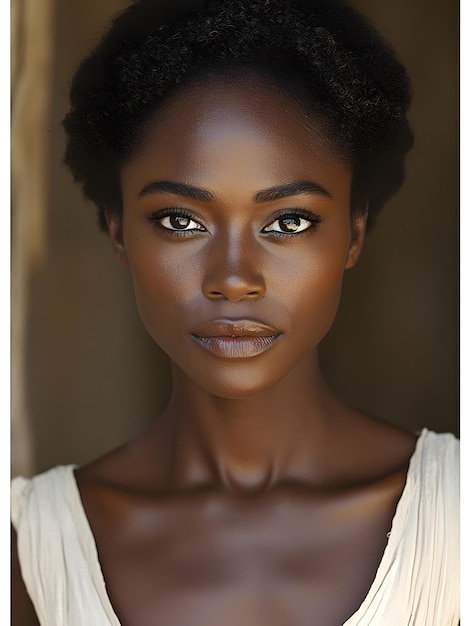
(235, 339)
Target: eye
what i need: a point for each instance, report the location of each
(180, 222)
(175, 220)
(292, 223)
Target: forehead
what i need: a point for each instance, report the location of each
(239, 129)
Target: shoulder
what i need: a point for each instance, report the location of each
(436, 465)
(418, 579)
(33, 498)
(42, 512)
(432, 490)
(22, 609)
(57, 552)
(430, 542)
(441, 443)
(435, 474)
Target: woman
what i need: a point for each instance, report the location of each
(237, 155)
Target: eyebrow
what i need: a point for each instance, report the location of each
(295, 188)
(278, 192)
(179, 189)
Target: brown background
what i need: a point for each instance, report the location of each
(93, 377)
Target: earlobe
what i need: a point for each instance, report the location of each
(358, 220)
(115, 230)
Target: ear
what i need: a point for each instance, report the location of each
(115, 230)
(358, 220)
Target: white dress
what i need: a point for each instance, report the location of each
(416, 584)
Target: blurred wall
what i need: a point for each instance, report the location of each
(394, 348)
(94, 377)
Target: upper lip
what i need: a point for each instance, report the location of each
(235, 328)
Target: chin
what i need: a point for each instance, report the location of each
(239, 393)
(235, 383)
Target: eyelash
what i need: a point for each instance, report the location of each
(313, 218)
(156, 217)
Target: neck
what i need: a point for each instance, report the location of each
(247, 444)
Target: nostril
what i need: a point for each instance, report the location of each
(233, 286)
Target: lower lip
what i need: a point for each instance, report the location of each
(236, 347)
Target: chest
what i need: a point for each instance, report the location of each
(295, 562)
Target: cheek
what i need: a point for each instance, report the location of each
(323, 299)
(313, 292)
(315, 301)
(164, 283)
(313, 277)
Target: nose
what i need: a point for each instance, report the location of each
(233, 273)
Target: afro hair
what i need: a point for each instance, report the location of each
(343, 69)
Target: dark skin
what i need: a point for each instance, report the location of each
(257, 497)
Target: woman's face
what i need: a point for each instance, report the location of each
(236, 228)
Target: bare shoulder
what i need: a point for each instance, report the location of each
(22, 610)
(376, 448)
(392, 440)
(134, 466)
(113, 487)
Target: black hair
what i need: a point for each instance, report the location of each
(341, 65)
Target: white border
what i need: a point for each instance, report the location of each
(465, 302)
(465, 307)
(5, 269)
